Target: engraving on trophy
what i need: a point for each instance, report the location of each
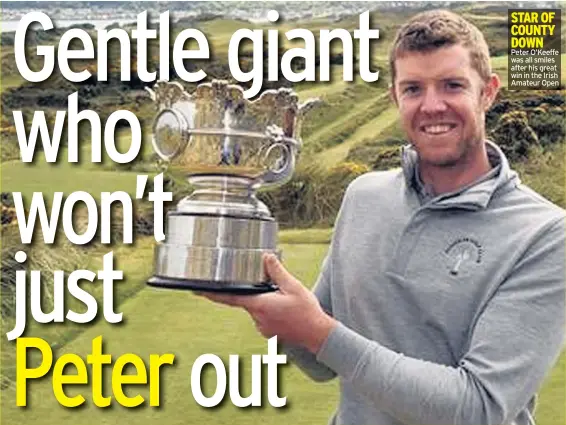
(228, 147)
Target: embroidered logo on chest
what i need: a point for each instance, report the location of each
(462, 253)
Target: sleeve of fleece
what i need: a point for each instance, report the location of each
(322, 290)
(514, 343)
(299, 355)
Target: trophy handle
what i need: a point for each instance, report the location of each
(285, 164)
(151, 93)
(183, 130)
(283, 139)
(310, 104)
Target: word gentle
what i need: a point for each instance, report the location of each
(97, 360)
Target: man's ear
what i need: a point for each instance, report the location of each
(490, 91)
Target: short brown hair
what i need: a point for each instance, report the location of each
(435, 29)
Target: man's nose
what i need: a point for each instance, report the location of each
(433, 102)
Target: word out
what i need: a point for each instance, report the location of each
(271, 359)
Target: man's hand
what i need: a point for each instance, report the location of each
(293, 313)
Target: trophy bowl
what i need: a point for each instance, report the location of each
(227, 147)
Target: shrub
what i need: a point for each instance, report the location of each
(378, 154)
(548, 125)
(313, 196)
(7, 199)
(554, 99)
(494, 114)
(514, 135)
(544, 172)
(387, 158)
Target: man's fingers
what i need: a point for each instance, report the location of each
(278, 274)
(248, 302)
(231, 300)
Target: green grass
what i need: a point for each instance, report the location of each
(551, 408)
(305, 236)
(18, 177)
(323, 90)
(9, 78)
(357, 110)
(371, 130)
(545, 172)
(10, 81)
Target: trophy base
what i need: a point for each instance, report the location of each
(235, 288)
(215, 254)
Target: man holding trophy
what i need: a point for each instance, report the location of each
(441, 300)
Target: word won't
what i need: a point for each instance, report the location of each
(66, 207)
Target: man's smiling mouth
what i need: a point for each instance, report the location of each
(437, 129)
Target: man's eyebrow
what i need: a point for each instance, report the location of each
(408, 82)
(456, 78)
(443, 79)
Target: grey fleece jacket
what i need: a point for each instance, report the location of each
(451, 309)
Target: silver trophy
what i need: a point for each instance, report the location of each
(228, 147)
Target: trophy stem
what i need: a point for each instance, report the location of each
(222, 181)
(227, 196)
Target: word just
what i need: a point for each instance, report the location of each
(36, 294)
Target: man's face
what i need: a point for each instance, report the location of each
(442, 101)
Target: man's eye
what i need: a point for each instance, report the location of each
(411, 90)
(452, 85)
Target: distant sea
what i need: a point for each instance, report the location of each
(9, 26)
(102, 14)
